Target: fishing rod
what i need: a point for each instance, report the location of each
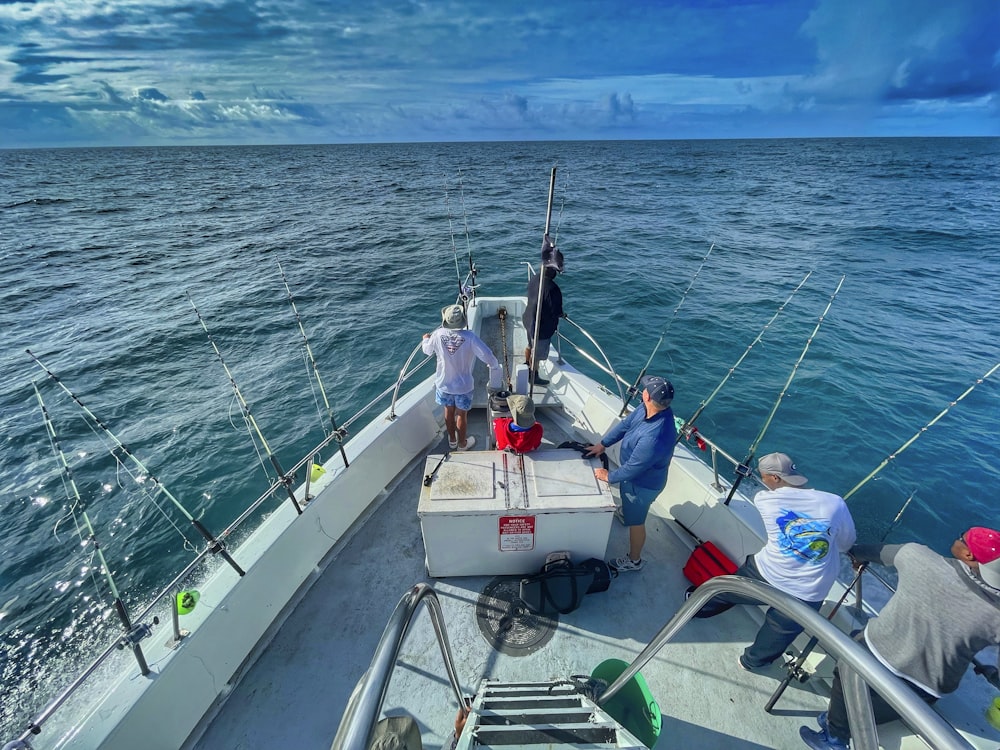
(921, 431)
(312, 360)
(533, 365)
(285, 480)
(218, 547)
(795, 671)
(454, 247)
(689, 424)
(465, 291)
(634, 388)
(744, 469)
(132, 634)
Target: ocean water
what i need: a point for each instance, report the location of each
(105, 250)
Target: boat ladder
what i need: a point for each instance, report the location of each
(534, 714)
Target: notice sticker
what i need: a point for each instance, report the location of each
(517, 533)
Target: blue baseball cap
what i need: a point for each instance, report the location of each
(660, 390)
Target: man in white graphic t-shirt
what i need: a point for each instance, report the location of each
(807, 531)
(457, 349)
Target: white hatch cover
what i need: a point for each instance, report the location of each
(463, 476)
(561, 473)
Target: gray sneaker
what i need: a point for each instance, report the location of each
(625, 563)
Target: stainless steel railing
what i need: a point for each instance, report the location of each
(919, 716)
(365, 704)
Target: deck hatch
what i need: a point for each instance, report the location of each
(560, 473)
(509, 626)
(471, 476)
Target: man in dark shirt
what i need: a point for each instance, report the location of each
(551, 308)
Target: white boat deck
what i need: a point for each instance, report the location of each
(295, 694)
(320, 588)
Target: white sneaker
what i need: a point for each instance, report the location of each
(469, 442)
(626, 563)
(452, 445)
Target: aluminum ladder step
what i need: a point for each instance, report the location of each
(515, 715)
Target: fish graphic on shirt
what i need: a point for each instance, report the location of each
(803, 537)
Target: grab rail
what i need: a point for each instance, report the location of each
(365, 703)
(403, 376)
(610, 368)
(919, 716)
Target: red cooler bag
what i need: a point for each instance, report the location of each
(707, 561)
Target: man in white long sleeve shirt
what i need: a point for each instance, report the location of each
(457, 349)
(807, 531)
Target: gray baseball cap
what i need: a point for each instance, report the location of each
(782, 465)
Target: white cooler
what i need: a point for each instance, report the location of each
(497, 513)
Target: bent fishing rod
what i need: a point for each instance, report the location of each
(921, 431)
(795, 671)
(744, 469)
(533, 365)
(217, 546)
(285, 480)
(688, 426)
(132, 635)
(634, 388)
(315, 368)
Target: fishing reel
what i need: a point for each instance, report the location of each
(794, 666)
(136, 634)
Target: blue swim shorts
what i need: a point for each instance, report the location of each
(462, 401)
(635, 503)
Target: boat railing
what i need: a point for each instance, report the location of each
(365, 703)
(606, 367)
(144, 629)
(404, 375)
(859, 669)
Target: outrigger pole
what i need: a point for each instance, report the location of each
(285, 480)
(634, 388)
(533, 365)
(132, 634)
(919, 432)
(312, 361)
(217, 547)
(689, 424)
(744, 468)
(795, 668)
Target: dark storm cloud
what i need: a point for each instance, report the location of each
(32, 64)
(150, 94)
(965, 66)
(189, 26)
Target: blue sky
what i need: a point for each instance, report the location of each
(131, 72)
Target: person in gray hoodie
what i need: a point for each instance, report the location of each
(918, 634)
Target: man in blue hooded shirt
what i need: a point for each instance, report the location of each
(647, 436)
